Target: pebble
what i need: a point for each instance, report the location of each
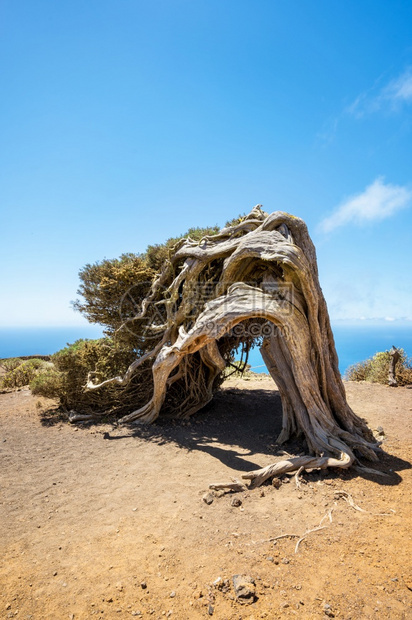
(236, 502)
(172, 594)
(208, 498)
(244, 588)
(143, 585)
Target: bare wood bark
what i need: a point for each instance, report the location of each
(395, 356)
(263, 269)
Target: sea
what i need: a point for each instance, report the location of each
(354, 342)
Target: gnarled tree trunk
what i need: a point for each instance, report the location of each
(255, 280)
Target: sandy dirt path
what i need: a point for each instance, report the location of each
(109, 522)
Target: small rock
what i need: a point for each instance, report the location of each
(210, 610)
(244, 588)
(380, 431)
(208, 498)
(136, 613)
(262, 493)
(285, 480)
(143, 585)
(172, 594)
(270, 558)
(276, 482)
(236, 502)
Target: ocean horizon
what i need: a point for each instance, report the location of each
(354, 342)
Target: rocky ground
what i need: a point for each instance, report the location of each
(111, 522)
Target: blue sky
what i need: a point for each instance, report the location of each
(125, 122)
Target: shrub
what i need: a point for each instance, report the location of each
(48, 383)
(23, 373)
(11, 363)
(237, 368)
(66, 378)
(376, 368)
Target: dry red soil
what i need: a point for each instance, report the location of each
(99, 521)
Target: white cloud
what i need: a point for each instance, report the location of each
(391, 97)
(371, 297)
(377, 202)
(400, 89)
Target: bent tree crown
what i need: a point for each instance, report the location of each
(255, 280)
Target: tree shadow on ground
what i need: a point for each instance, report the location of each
(240, 424)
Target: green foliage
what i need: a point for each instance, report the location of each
(11, 363)
(21, 374)
(113, 289)
(157, 255)
(376, 368)
(66, 378)
(48, 383)
(236, 220)
(104, 284)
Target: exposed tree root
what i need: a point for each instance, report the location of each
(299, 463)
(297, 481)
(228, 486)
(349, 500)
(316, 529)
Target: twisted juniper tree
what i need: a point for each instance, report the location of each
(256, 279)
